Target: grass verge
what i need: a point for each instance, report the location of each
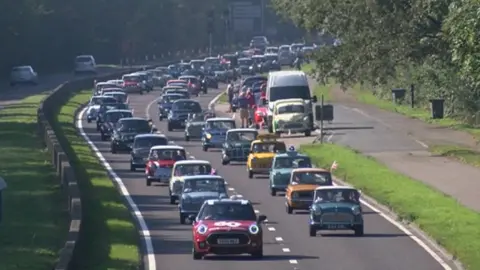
(461, 154)
(423, 114)
(453, 226)
(35, 217)
(109, 238)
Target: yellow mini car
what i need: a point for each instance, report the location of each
(262, 151)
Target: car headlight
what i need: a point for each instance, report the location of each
(202, 229)
(305, 118)
(208, 136)
(254, 229)
(317, 210)
(250, 68)
(356, 210)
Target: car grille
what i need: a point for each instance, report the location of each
(182, 117)
(336, 217)
(243, 238)
(305, 194)
(262, 165)
(240, 152)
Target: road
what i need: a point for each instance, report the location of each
(287, 244)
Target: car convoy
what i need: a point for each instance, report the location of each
(224, 224)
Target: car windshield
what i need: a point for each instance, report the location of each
(193, 169)
(224, 124)
(286, 92)
(284, 49)
(113, 117)
(252, 80)
(139, 125)
(118, 96)
(149, 142)
(245, 62)
(291, 108)
(337, 195)
(227, 211)
(292, 162)
(190, 106)
(83, 59)
(242, 136)
(96, 101)
(171, 98)
(167, 154)
(204, 185)
(312, 178)
(218, 68)
(268, 147)
(182, 84)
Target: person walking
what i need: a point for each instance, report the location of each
(251, 105)
(230, 95)
(243, 106)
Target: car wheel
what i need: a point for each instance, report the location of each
(312, 231)
(205, 148)
(89, 120)
(270, 129)
(250, 174)
(258, 254)
(169, 126)
(308, 133)
(225, 162)
(234, 110)
(141, 92)
(132, 168)
(160, 118)
(172, 200)
(273, 192)
(113, 150)
(182, 218)
(289, 209)
(358, 230)
(187, 138)
(196, 255)
(98, 127)
(103, 137)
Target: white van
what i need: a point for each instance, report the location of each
(85, 64)
(288, 84)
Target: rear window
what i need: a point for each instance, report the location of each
(83, 59)
(131, 79)
(286, 92)
(21, 69)
(190, 106)
(149, 142)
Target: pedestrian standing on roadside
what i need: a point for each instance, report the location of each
(251, 105)
(230, 95)
(243, 106)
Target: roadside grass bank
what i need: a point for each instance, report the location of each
(424, 114)
(453, 226)
(35, 213)
(109, 238)
(461, 154)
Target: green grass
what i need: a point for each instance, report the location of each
(448, 222)
(461, 154)
(223, 98)
(424, 114)
(35, 217)
(109, 238)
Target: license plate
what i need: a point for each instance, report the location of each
(336, 226)
(233, 241)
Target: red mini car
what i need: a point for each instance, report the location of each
(227, 226)
(260, 116)
(160, 162)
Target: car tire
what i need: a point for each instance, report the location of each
(169, 126)
(196, 255)
(113, 150)
(308, 133)
(160, 118)
(182, 218)
(172, 200)
(187, 138)
(103, 137)
(89, 120)
(132, 168)
(205, 148)
(289, 209)
(257, 254)
(149, 182)
(250, 174)
(273, 192)
(312, 231)
(358, 230)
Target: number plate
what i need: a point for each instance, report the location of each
(336, 226)
(233, 241)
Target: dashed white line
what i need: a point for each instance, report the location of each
(256, 211)
(293, 261)
(231, 189)
(239, 196)
(279, 239)
(272, 229)
(286, 250)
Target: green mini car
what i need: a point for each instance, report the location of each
(336, 208)
(282, 167)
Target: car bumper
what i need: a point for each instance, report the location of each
(300, 205)
(123, 146)
(278, 187)
(334, 226)
(204, 248)
(159, 179)
(260, 170)
(214, 144)
(177, 123)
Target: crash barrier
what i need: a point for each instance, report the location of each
(46, 113)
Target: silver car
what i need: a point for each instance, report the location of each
(23, 75)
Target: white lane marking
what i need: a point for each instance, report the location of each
(256, 211)
(272, 229)
(424, 145)
(286, 250)
(239, 196)
(147, 109)
(404, 229)
(145, 233)
(233, 116)
(231, 189)
(279, 239)
(329, 138)
(293, 261)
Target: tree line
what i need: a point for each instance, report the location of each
(48, 34)
(385, 44)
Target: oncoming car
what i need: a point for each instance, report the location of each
(282, 166)
(237, 144)
(226, 226)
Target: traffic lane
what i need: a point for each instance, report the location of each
(172, 241)
(378, 249)
(358, 130)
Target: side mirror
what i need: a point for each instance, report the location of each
(314, 99)
(261, 218)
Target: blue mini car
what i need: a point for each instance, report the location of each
(282, 166)
(214, 132)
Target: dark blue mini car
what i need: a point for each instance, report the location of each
(214, 132)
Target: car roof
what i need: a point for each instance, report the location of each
(193, 161)
(242, 130)
(115, 92)
(187, 76)
(151, 135)
(170, 146)
(310, 170)
(118, 110)
(199, 177)
(227, 201)
(245, 58)
(289, 100)
(172, 94)
(133, 118)
(219, 119)
(186, 99)
(291, 154)
(334, 187)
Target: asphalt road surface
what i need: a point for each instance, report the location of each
(287, 244)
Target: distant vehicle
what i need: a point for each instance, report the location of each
(23, 75)
(85, 64)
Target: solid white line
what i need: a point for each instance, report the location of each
(278, 239)
(286, 250)
(293, 261)
(272, 229)
(424, 145)
(145, 233)
(239, 196)
(233, 116)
